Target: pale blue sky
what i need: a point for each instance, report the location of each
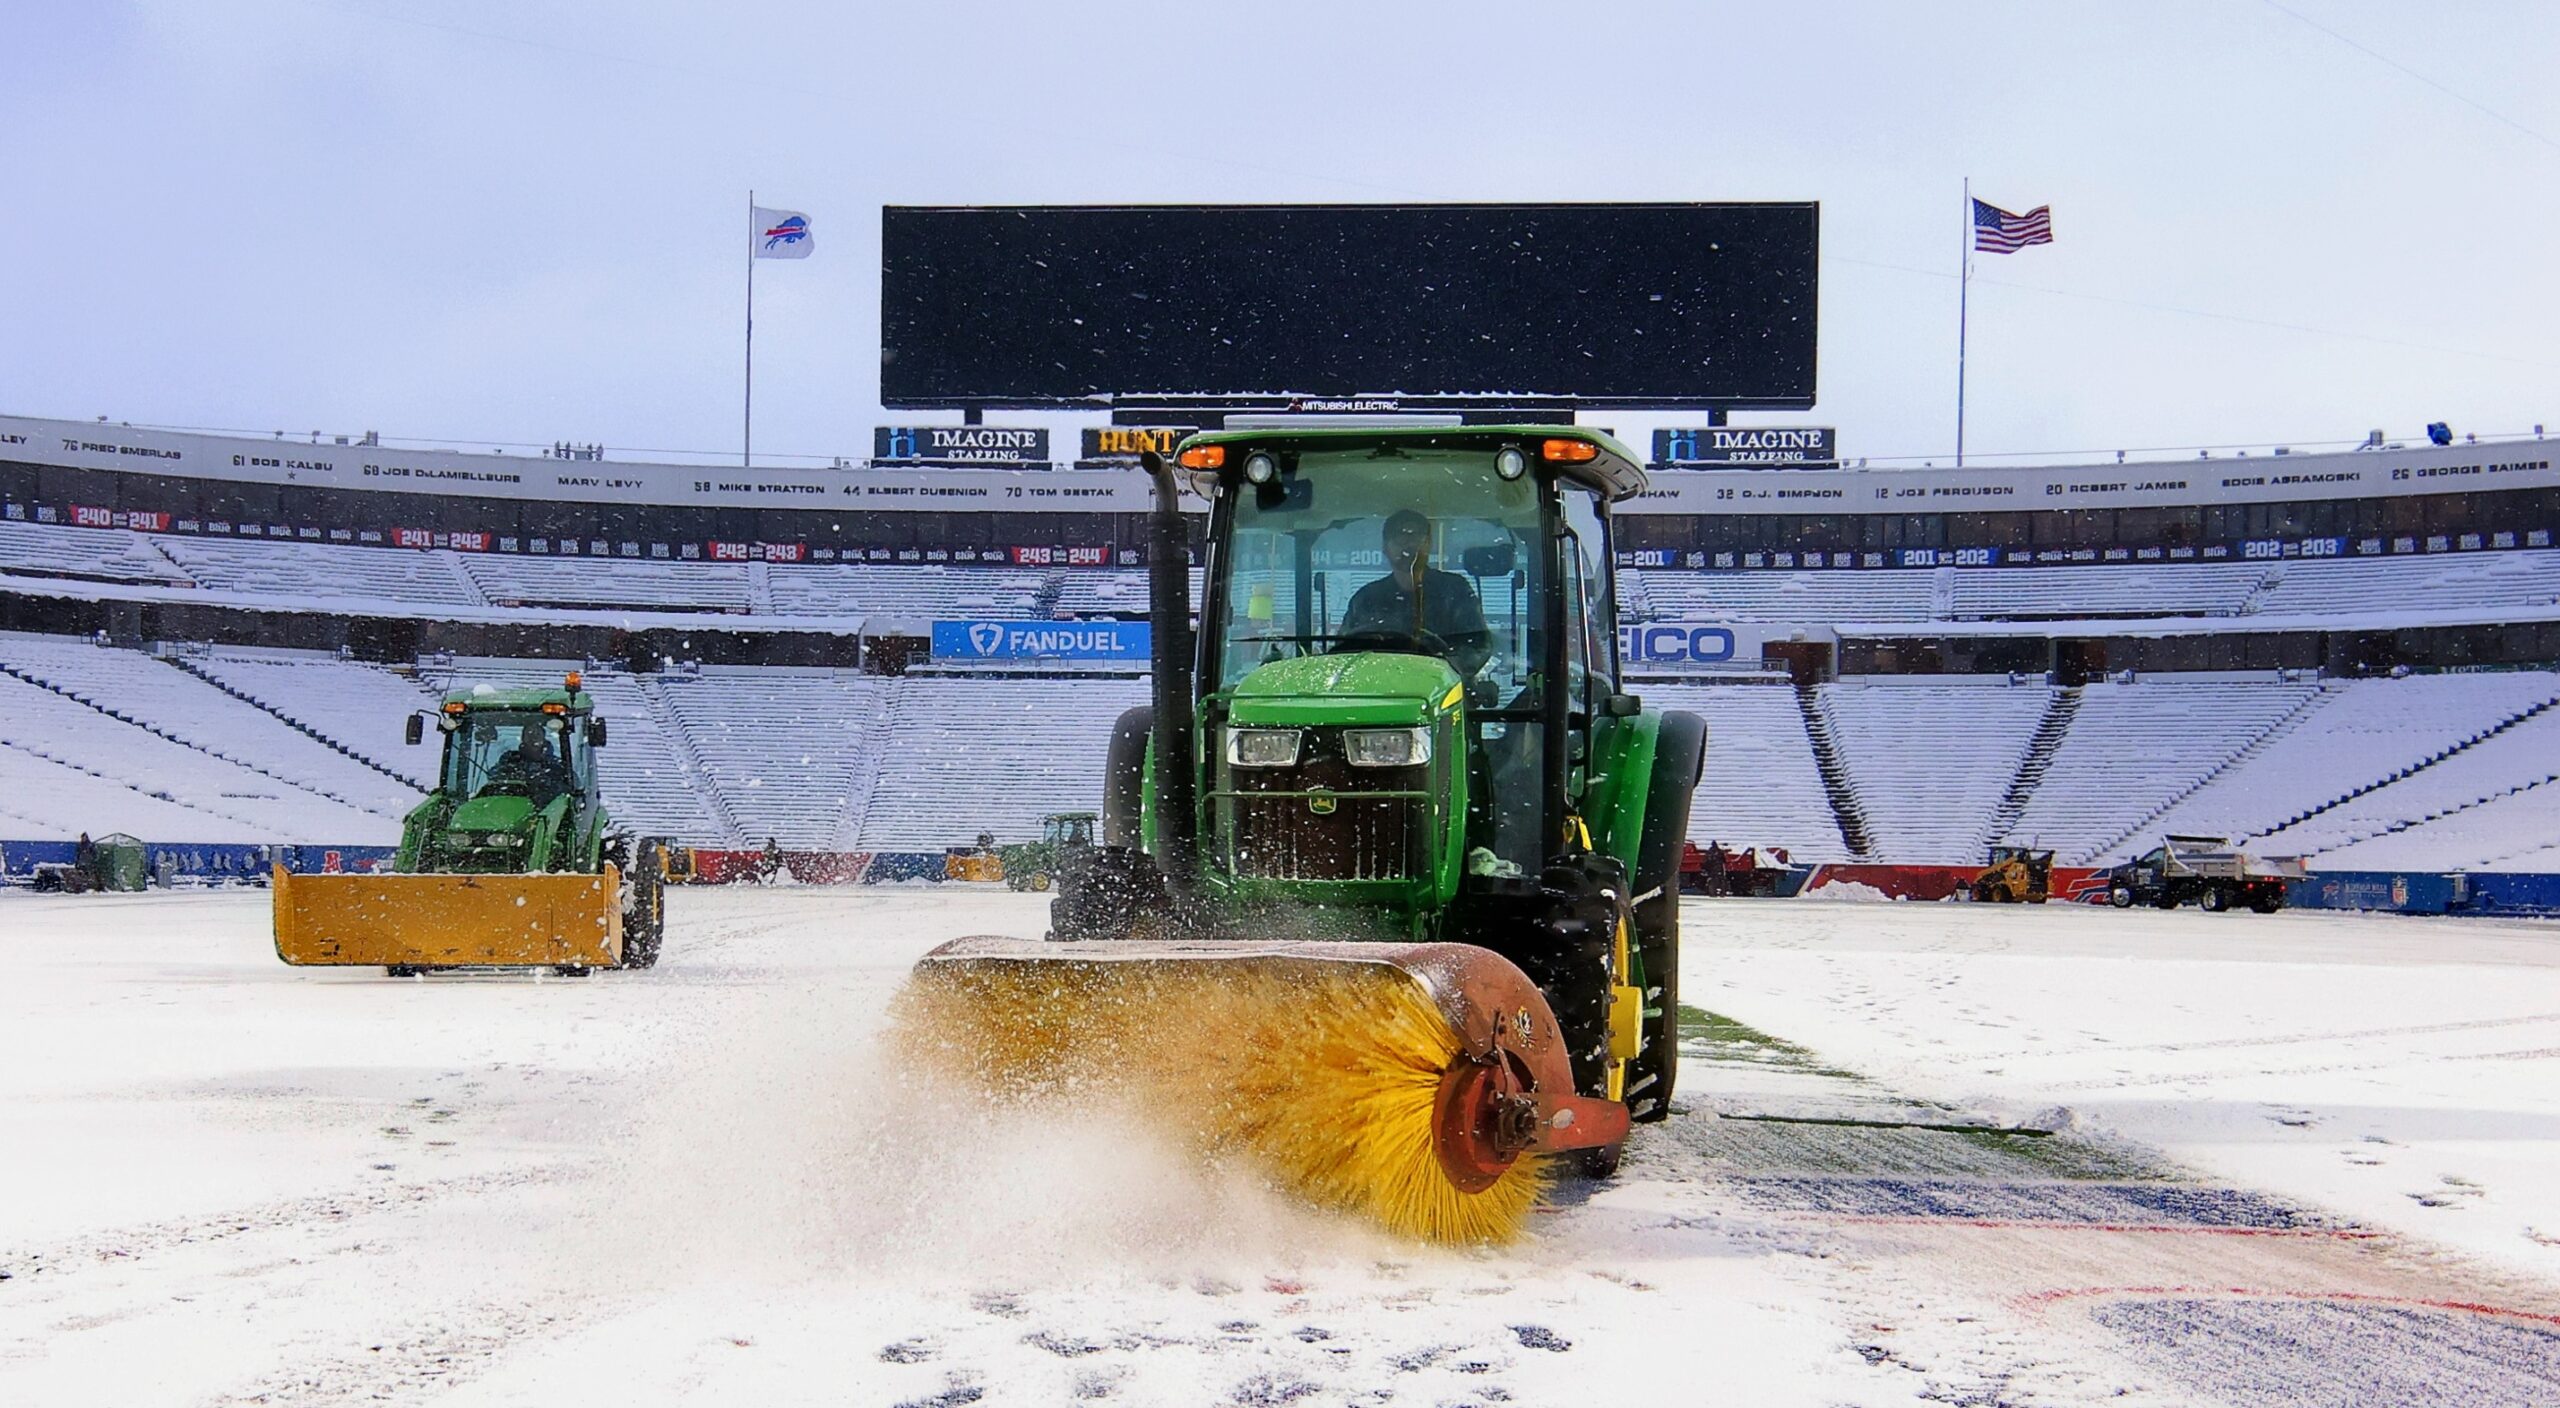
(523, 221)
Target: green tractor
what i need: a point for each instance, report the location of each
(1036, 865)
(510, 862)
(1400, 740)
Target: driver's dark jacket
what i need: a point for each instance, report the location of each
(543, 775)
(1450, 609)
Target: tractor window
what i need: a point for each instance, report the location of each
(523, 754)
(1594, 650)
(1420, 551)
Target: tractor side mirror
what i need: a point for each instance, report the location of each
(595, 732)
(1623, 706)
(1489, 559)
(417, 729)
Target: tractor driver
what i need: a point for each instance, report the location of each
(532, 763)
(1416, 600)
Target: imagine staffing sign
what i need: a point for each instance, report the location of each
(1748, 446)
(960, 445)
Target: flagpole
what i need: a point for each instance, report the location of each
(747, 444)
(1964, 292)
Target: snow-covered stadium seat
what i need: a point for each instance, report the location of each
(2331, 587)
(791, 751)
(964, 756)
(2509, 831)
(50, 550)
(604, 583)
(45, 799)
(358, 706)
(1761, 786)
(246, 804)
(2522, 755)
(195, 712)
(913, 593)
(2048, 593)
(2359, 733)
(325, 573)
(2134, 749)
(1887, 594)
(1930, 759)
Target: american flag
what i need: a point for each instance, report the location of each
(1996, 231)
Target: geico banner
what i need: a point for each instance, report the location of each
(966, 642)
(1657, 647)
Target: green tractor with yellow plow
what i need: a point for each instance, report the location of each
(511, 862)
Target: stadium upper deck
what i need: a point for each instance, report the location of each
(2394, 501)
(2261, 561)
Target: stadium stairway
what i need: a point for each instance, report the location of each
(1931, 756)
(781, 746)
(1845, 806)
(669, 725)
(2050, 730)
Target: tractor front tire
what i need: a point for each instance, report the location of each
(1679, 758)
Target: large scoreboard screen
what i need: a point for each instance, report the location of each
(1636, 306)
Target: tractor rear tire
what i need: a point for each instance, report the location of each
(1124, 778)
(1679, 758)
(644, 917)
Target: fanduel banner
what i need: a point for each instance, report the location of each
(1731, 446)
(959, 445)
(972, 642)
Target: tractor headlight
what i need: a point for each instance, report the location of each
(1262, 747)
(1387, 747)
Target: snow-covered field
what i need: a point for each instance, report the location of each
(1928, 1154)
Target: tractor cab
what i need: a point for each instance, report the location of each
(1383, 615)
(516, 786)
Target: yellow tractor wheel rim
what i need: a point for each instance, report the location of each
(1626, 1014)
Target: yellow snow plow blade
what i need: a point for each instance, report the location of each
(437, 921)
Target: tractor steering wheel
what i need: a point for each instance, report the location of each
(1414, 643)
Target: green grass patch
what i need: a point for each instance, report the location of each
(1724, 1039)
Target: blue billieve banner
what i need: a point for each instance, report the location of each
(972, 641)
